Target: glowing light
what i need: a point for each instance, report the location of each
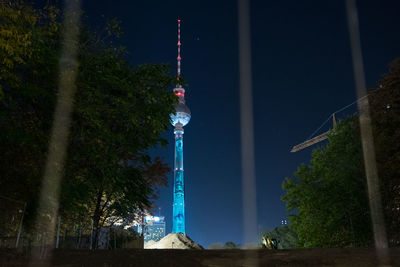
(178, 220)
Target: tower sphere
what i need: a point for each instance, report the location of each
(181, 115)
(182, 112)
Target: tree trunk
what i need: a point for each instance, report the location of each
(96, 218)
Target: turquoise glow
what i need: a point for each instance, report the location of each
(178, 220)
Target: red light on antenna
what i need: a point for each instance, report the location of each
(179, 20)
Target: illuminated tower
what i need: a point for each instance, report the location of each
(178, 120)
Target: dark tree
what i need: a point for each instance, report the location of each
(385, 111)
(327, 199)
(119, 113)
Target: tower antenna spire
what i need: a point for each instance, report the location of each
(179, 52)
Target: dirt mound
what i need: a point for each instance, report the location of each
(175, 241)
(149, 243)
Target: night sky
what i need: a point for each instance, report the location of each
(302, 72)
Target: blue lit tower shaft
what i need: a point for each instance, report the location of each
(180, 118)
(179, 192)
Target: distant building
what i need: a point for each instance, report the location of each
(154, 228)
(284, 222)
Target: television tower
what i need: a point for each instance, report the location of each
(180, 118)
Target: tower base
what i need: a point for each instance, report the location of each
(175, 241)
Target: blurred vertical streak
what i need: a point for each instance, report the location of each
(68, 69)
(375, 202)
(246, 128)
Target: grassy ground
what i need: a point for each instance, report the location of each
(194, 258)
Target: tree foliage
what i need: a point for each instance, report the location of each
(30, 45)
(328, 198)
(385, 111)
(119, 113)
(286, 237)
(230, 245)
